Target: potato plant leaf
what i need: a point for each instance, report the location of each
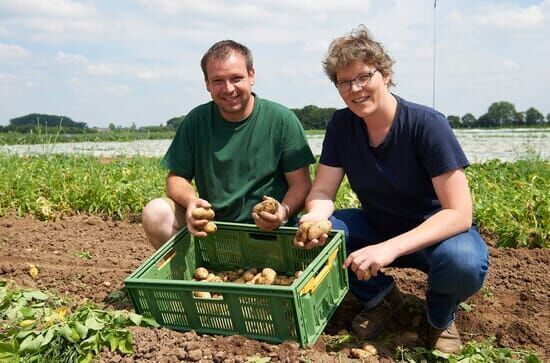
(31, 343)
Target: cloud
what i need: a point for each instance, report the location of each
(56, 8)
(512, 17)
(12, 51)
(5, 78)
(118, 90)
(67, 58)
(101, 69)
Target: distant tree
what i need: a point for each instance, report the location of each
(313, 117)
(548, 118)
(112, 127)
(133, 127)
(469, 120)
(533, 117)
(499, 114)
(454, 121)
(519, 119)
(44, 122)
(175, 122)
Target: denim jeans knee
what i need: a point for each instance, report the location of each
(457, 269)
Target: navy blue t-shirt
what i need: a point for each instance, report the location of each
(393, 180)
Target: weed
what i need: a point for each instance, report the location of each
(85, 255)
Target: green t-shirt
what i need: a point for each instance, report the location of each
(234, 164)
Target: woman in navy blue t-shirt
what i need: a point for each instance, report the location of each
(407, 168)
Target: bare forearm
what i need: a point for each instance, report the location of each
(320, 205)
(442, 225)
(180, 190)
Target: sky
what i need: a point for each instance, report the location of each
(138, 62)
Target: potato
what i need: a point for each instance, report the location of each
(202, 294)
(203, 213)
(201, 273)
(301, 235)
(249, 274)
(269, 274)
(318, 229)
(210, 227)
(298, 273)
(281, 280)
(269, 205)
(263, 281)
(256, 277)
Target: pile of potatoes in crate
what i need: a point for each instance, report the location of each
(266, 276)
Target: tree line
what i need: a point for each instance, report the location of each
(499, 114)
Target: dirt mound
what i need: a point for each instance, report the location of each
(87, 257)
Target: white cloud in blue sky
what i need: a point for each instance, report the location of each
(138, 61)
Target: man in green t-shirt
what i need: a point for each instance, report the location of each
(237, 148)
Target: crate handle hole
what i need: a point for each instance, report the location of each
(263, 237)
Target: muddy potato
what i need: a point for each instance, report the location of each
(298, 273)
(318, 229)
(269, 205)
(301, 234)
(210, 227)
(203, 213)
(200, 273)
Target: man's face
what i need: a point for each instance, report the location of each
(230, 86)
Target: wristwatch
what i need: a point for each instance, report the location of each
(285, 220)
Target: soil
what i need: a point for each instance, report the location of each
(513, 305)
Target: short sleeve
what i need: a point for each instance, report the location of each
(439, 149)
(329, 153)
(179, 156)
(296, 151)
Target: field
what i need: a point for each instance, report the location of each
(75, 220)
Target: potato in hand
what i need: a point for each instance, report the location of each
(308, 231)
(203, 213)
(269, 205)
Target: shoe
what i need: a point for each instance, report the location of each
(446, 340)
(370, 322)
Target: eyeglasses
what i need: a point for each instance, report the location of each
(361, 80)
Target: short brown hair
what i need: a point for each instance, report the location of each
(357, 46)
(222, 50)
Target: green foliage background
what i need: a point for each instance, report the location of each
(511, 200)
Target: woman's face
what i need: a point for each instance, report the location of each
(363, 88)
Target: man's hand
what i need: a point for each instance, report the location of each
(195, 225)
(268, 221)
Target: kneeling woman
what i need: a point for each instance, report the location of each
(407, 168)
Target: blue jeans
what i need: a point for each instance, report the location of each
(456, 267)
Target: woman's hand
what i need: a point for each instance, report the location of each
(367, 261)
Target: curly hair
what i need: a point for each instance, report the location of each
(222, 50)
(357, 46)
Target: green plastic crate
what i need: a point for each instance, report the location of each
(163, 285)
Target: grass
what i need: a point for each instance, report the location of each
(511, 199)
